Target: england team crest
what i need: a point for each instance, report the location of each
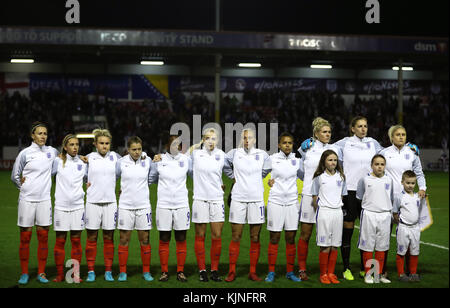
(293, 162)
(339, 183)
(79, 166)
(407, 156)
(143, 163)
(217, 157)
(387, 186)
(257, 156)
(111, 158)
(181, 163)
(49, 155)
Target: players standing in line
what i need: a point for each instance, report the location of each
(32, 176)
(208, 204)
(376, 192)
(250, 165)
(309, 162)
(283, 206)
(172, 209)
(327, 189)
(101, 202)
(406, 211)
(69, 214)
(401, 156)
(135, 212)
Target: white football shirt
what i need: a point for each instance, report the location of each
(34, 163)
(101, 173)
(69, 193)
(408, 207)
(377, 194)
(134, 182)
(329, 189)
(249, 169)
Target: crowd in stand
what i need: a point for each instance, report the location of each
(425, 117)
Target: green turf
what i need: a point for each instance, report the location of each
(433, 261)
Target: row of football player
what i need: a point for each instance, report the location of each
(246, 164)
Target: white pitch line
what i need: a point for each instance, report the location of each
(424, 243)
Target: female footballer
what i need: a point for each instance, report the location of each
(249, 166)
(101, 202)
(283, 206)
(172, 209)
(70, 172)
(208, 205)
(309, 162)
(32, 176)
(135, 212)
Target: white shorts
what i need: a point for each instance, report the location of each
(375, 231)
(282, 217)
(329, 223)
(139, 219)
(208, 211)
(101, 216)
(69, 220)
(247, 212)
(32, 213)
(176, 219)
(307, 212)
(408, 236)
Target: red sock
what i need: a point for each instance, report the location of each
(290, 257)
(146, 256)
(199, 248)
(123, 258)
(60, 255)
(332, 258)
(234, 254)
(302, 252)
(181, 255)
(24, 250)
(91, 254)
(77, 251)
(42, 250)
(272, 256)
(323, 262)
(400, 261)
(367, 255)
(164, 256)
(108, 254)
(379, 256)
(413, 262)
(255, 248)
(216, 248)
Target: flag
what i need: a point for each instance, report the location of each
(425, 217)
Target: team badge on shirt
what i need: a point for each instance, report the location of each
(111, 158)
(181, 164)
(79, 166)
(257, 156)
(217, 157)
(143, 163)
(49, 155)
(368, 145)
(407, 156)
(387, 186)
(339, 183)
(293, 162)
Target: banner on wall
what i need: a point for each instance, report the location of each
(138, 87)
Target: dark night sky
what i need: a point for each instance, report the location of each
(398, 17)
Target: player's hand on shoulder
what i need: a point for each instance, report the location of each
(307, 144)
(84, 158)
(271, 182)
(414, 147)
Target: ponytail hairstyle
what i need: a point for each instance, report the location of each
(64, 143)
(317, 125)
(35, 125)
(321, 167)
(354, 121)
(98, 132)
